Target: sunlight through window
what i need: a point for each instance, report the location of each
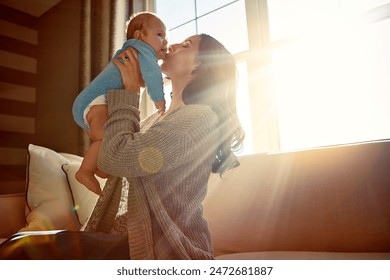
(323, 66)
(206, 18)
(331, 85)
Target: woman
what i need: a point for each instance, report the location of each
(167, 159)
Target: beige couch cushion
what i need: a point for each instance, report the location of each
(331, 199)
(11, 221)
(304, 255)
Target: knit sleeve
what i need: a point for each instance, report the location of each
(127, 152)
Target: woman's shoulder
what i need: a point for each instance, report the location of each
(198, 115)
(149, 119)
(186, 116)
(196, 110)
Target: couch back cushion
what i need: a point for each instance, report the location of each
(328, 199)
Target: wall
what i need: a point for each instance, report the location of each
(18, 91)
(58, 79)
(38, 83)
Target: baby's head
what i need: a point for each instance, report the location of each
(150, 29)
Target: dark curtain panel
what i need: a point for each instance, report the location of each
(103, 22)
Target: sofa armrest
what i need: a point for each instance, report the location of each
(12, 213)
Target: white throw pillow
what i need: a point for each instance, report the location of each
(72, 157)
(49, 200)
(84, 199)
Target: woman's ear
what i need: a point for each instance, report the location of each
(196, 68)
(137, 34)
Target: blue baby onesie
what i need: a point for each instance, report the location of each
(110, 78)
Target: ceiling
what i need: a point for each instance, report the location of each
(32, 7)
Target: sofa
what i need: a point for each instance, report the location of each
(326, 203)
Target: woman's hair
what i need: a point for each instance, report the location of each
(214, 83)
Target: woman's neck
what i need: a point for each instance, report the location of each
(177, 100)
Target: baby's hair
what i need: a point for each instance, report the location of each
(138, 21)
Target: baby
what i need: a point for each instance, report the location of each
(147, 34)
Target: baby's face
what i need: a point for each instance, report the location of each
(155, 36)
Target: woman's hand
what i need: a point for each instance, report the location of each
(128, 65)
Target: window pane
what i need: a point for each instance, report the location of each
(243, 108)
(292, 17)
(233, 32)
(358, 6)
(175, 12)
(179, 34)
(334, 93)
(205, 6)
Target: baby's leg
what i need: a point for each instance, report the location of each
(86, 174)
(96, 118)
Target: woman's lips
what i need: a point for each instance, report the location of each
(163, 53)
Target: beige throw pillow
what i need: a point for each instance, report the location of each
(49, 201)
(84, 199)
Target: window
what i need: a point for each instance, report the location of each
(312, 72)
(189, 17)
(330, 82)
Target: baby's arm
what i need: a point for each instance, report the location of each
(151, 74)
(131, 57)
(160, 105)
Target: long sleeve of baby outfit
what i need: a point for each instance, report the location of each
(150, 70)
(110, 78)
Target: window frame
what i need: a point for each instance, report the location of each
(264, 117)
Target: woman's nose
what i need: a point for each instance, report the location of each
(172, 48)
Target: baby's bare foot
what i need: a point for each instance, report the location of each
(89, 181)
(102, 174)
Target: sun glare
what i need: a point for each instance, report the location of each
(329, 84)
(324, 85)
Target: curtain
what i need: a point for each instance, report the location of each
(102, 31)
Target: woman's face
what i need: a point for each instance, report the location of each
(180, 61)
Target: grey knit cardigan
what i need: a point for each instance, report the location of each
(167, 165)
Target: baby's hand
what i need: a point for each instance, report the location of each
(160, 105)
